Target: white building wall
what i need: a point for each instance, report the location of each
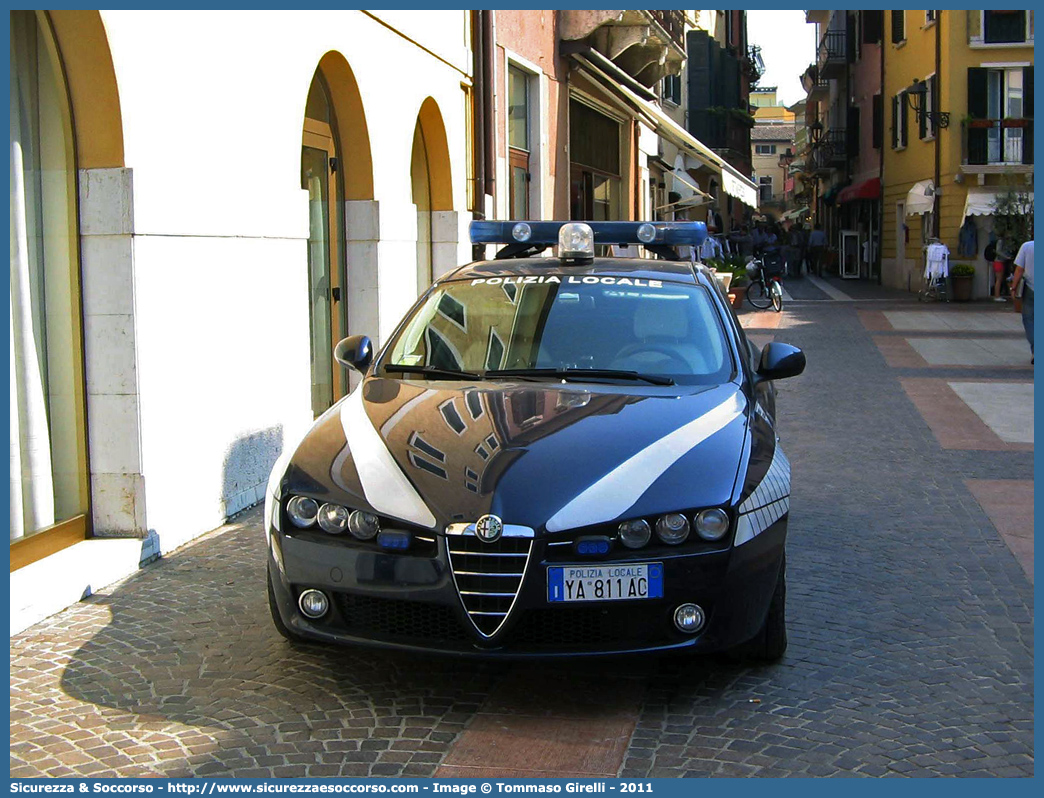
(212, 106)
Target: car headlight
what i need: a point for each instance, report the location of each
(635, 534)
(712, 524)
(302, 511)
(364, 526)
(672, 528)
(333, 518)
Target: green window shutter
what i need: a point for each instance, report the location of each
(978, 108)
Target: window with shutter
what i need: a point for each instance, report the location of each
(895, 122)
(878, 121)
(873, 25)
(1004, 27)
(904, 118)
(1027, 112)
(898, 26)
(852, 132)
(978, 108)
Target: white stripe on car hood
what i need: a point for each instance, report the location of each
(612, 495)
(384, 485)
(768, 502)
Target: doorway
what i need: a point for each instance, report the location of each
(320, 177)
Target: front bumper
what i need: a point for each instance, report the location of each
(410, 602)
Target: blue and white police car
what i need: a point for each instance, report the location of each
(551, 456)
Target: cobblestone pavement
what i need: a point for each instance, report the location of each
(911, 627)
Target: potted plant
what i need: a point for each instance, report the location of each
(961, 276)
(976, 123)
(738, 289)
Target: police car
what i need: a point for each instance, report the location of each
(551, 456)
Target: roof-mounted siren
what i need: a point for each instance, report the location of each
(576, 240)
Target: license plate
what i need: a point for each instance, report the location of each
(642, 580)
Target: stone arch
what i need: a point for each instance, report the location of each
(93, 93)
(356, 227)
(353, 135)
(432, 132)
(432, 193)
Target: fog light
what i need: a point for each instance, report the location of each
(333, 518)
(672, 528)
(712, 524)
(689, 618)
(302, 511)
(313, 603)
(635, 534)
(364, 526)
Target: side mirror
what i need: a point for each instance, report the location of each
(780, 360)
(355, 351)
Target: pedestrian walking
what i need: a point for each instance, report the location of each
(1001, 258)
(817, 242)
(1024, 274)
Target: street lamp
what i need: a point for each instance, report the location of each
(916, 95)
(786, 159)
(816, 129)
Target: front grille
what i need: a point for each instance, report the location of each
(592, 627)
(396, 619)
(488, 576)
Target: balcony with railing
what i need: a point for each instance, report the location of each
(830, 152)
(754, 64)
(647, 45)
(673, 22)
(815, 85)
(818, 15)
(998, 143)
(727, 134)
(832, 54)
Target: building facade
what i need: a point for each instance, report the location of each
(947, 168)
(173, 331)
(771, 146)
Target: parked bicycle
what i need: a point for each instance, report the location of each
(766, 281)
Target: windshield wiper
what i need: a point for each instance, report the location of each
(432, 371)
(578, 373)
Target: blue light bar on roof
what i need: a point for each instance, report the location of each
(669, 234)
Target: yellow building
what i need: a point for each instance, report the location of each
(948, 165)
(767, 108)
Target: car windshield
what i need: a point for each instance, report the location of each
(558, 322)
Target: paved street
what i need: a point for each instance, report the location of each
(910, 614)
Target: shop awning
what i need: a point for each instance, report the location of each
(732, 181)
(921, 198)
(830, 195)
(867, 190)
(981, 201)
(796, 214)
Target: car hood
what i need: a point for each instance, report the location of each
(550, 456)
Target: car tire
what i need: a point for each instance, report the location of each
(770, 643)
(277, 619)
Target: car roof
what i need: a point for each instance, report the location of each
(640, 268)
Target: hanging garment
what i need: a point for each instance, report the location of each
(937, 261)
(968, 239)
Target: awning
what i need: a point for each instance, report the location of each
(830, 195)
(981, 201)
(732, 181)
(921, 198)
(796, 214)
(691, 194)
(867, 190)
